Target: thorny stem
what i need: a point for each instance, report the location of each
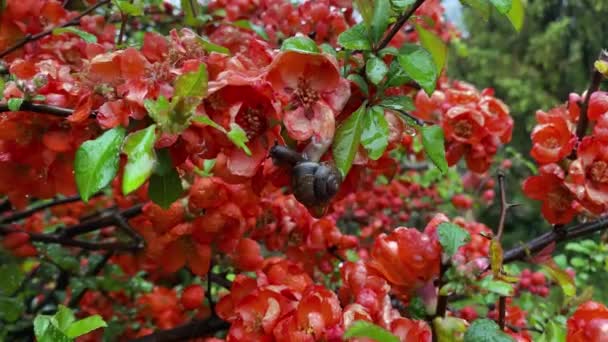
(504, 206)
(193, 329)
(502, 311)
(33, 37)
(28, 212)
(398, 25)
(28, 106)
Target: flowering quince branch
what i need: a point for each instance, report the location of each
(33, 37)
(399, 24)
(28, 212)
(193, 329)
(40, 108)
(596, 80)
(566, 234)
(104, 219)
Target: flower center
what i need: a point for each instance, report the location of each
(558, 200)
(551, 143)
(598, 172)
(463, 129)
(305, 94)
(251, 119)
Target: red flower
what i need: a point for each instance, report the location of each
(588, 174)
(589, 323)
(464, 124)
(407, 258)
(553, 138)
(598, 105)
(409, 330)
(316, 317)
(549, 188)
(314, 91)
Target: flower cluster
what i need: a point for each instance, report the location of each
(475, 123)
(571, 177)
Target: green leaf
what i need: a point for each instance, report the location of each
(127, 7)
(11, 279)
(46, 330)
(2, 84)
(553, 332)
(96, 162)
(516, 15)
(248, 25)
(211, 47)
(300, 44)
(380, 19)
(452, 237)
(355, 38)
(561, 277)
(14, 104)
(165, 189)
(87, 37)
(192, 84)
(139, 148)
(159, 110)
(328, 49)
(485, 330)
(238, 137)
(433, 44)
(347, 139)
(449, 329)
(481, 6)
(375, 132)
(433, 143)
(375, 69)
(418, 64)
(11, 309)
(191, 9)
(402, 4)
(360, 82)
(366, 9)
(85, 326)
(369, 330)
(496, 256)
(64, 317)
(398, 103)
(497, 286)
(503, 6)
(396, 76)
(205, 120)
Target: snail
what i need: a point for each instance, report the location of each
(313, 184)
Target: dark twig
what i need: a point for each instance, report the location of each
(104, 219)
(442, 300)
(502, 311)
(397, 26)
(504, 206)
(27, 106)
(28, 212)
(194, 329)
(537, 244)
(596, 79)
(94, 271)
(33, 37)
(65, 237)
(220, 280)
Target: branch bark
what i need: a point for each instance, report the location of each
(399, 24)
(33, 37)
(28, 212)
(27, 106)
(197, 328)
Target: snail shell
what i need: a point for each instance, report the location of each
(315, 183)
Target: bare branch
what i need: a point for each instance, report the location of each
(197, 328)
(399, 24)
(33, 37)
